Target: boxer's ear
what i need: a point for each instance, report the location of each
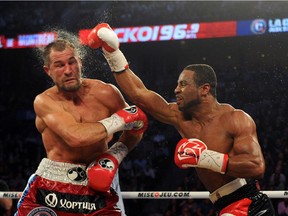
(80, 61)
(205, 88)
(46, 69)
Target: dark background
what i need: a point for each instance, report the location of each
(251, 70)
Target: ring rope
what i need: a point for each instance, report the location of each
(158, 194)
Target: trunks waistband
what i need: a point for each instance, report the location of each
(62, 172)
(227, 189)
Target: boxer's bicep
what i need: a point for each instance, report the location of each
(247, 159)
(53, 115)
(245, 137)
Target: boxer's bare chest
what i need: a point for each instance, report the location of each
(212, 132)
(85, 110)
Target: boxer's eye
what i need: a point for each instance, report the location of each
(58, 64)
(72, 61)
(183, 83)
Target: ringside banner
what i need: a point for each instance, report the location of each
(171, 32)
(28, 40)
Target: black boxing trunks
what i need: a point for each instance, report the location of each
(60, 189)
(241, 198)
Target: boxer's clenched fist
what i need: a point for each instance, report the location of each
(194, 153)
(102, 36)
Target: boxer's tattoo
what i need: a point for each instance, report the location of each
(119, 150)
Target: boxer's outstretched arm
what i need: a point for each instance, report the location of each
(148, 100)
(102, 36)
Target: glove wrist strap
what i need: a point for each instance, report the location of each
(116, 60)
(113, 124)
(214, 161)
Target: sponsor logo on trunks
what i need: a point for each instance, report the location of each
(71, 203)
(51, 200)
(285, 193)
(106, 163)
(42, 211)
(77, 174)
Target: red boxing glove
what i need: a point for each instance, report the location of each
(101, 173)
(130, 118)
(141, 123)
(102, 36)
(194, 153)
